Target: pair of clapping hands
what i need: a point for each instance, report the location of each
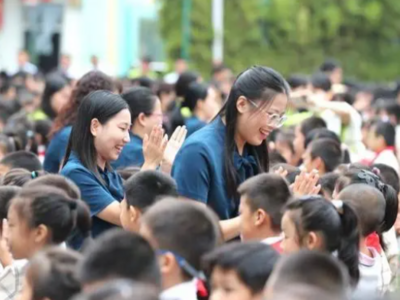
(304, 184)
(158, 150)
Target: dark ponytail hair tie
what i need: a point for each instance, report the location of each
(34, 174)
(73, 204)
(372, 179)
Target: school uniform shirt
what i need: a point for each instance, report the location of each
(387, 157)
(199, 169)
(11, 279)
(183, 291)
(131, 155)
(96, 194)
(374, 276)
(56, 150)
(275, 242)
(193, 124)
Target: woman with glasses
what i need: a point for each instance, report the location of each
(215, 160)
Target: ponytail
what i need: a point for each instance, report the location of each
(392, 203)
(348, 250)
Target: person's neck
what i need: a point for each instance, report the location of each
(240, 143)
(265, 233)
(364, 248)
(138, 130)
(101, 162)
(201, 115)
(171, 280)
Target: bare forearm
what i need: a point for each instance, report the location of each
(230, 228)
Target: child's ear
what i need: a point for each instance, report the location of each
(41, 234)
(134, 214)
(142, 119)
(313, 242)
(167, 263)
(261, 218)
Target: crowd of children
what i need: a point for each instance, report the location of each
(233, 189)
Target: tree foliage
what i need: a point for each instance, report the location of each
(293, 35)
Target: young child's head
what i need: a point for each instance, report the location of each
(263, 198)
(20, 159)
(323, 155)
(314, 223)
(381, 135)
(128, 172)
(292, 171)
(119, 254)
(20, 177)
(302, 131)
(121, 289)
(236, 271)
(51, 274)
(182, 232)
(328, 183)
(284, 144)
(369, 205)
(57, 181)
(40, 217)
(310, 268)
(389, 176)
(142, 190)
(7, 193)
(357, 176)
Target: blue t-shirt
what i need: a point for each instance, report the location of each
(96, 194)
(56, 150)
(193, 124)
(199, 169)
(131, 155)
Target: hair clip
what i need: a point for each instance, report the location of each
(34, 174)
(371, 179)
(338, 204)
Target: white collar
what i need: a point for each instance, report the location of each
(272, 240)
(183, 291)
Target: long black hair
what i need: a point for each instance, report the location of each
(195, 92)
(100, 105)
(255, 83)
(336, 222)
(54, 83)
(140, 100)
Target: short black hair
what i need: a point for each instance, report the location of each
(389, 176)
(387, 131)
(286, 136)
(121, 289)
(126, 173)
(244, 259)
(297, 80)
(136, 259)
(275, 157)
(292, 171)
(369, 205)
(321, 81)
(7, 193)
(329, 151)
(184, 228)
(323, 271)
(328, 182)
(144, 188)
(321, 133)
(20, 177)
(269, 192)
(311, 123)
(329, 65)
(183, 82)
(22, 159)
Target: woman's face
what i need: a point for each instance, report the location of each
(111, 137)
(254, 121)
(154, 119)
(60, 99)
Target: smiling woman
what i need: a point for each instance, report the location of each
(217, 158)
(100, 132)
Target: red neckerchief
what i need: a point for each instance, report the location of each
(373, 241)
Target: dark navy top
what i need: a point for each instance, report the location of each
(131, 155)
(56, 150)
(199, 169)
(96, 194)
(193, 124)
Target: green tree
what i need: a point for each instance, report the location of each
(293, 35)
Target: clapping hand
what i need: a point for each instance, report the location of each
(306, 184)
(174, 144)
(154, 147)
